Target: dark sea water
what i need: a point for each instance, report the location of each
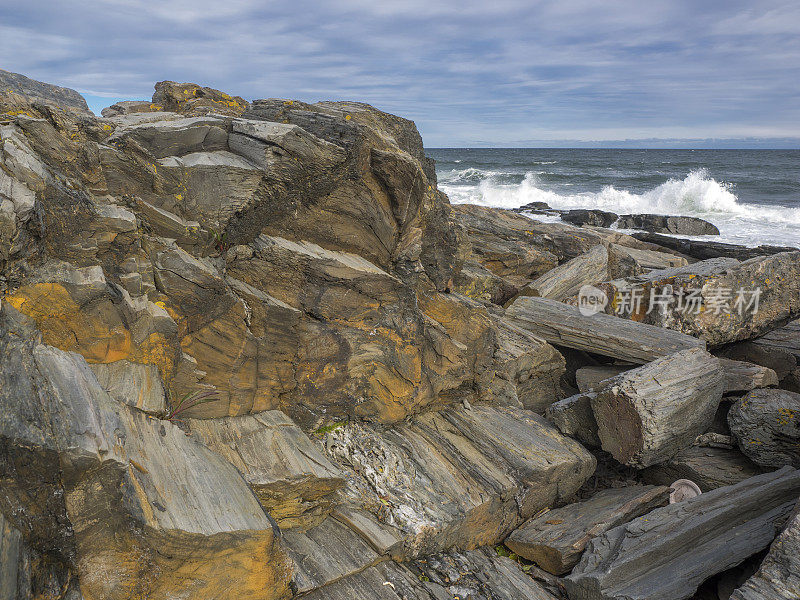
(752, 196)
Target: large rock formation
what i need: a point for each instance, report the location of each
(190, 240)
(248, 349)
(129, 503)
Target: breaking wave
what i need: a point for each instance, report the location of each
(697, 194)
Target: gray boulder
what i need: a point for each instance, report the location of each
(667, 224)
(766, 425)
(598, 218)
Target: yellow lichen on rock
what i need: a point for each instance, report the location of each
(99, 336)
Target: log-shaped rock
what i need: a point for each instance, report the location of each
(668, 553)
(565, 280)
(565, 325)
(766, 425)
(646, 415)
(556, 539)
(741, 376)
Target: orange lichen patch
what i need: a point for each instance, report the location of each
(390, 395)
(159, 351)
(97, 332)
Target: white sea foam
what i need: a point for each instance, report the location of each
(697, 194)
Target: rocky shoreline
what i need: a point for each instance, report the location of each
(250, 350)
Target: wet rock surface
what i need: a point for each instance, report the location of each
(668, 224)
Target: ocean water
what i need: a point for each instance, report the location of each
(752, 196)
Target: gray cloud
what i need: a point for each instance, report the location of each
(465, 71)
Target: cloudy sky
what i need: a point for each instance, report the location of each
(494, 72)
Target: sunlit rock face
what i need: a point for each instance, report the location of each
(282, 255)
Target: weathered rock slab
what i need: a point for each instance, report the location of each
(779, 575)
(461, 478)
(479, 575)
(556, 539)
(326, 553)
(565, 280)
(600, 333)
(668, 553)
